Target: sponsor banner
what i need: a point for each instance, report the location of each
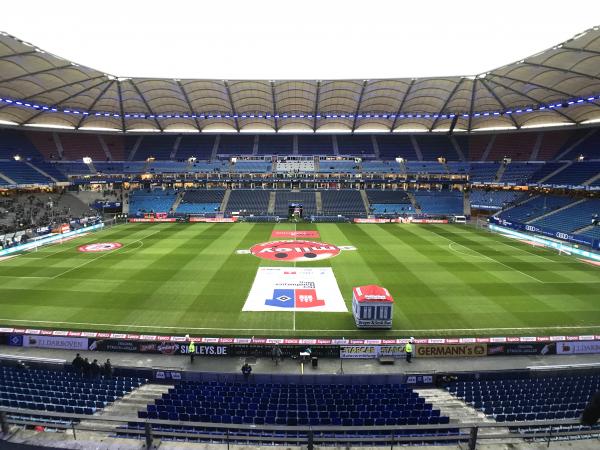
(294, 251)
(534, 348)
(213, 219)
(370, 351)
(100, 247)
(295, 234)
(574, 238)
(60, 342)
(50, 239)
(578, 348)
(152, 219)
(295, 289)
(429, 221)
(449, 350)
(371, 220)
(167, 375)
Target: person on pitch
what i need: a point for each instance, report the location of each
(409, 350)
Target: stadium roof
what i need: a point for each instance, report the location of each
(558, 86)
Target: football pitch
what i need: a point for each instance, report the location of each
(447, 280)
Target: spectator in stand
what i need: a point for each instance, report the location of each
(85, 368)
(246, 371)
(108, 369)
(78, 363)
(95, 369)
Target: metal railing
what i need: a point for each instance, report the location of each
(471, 433)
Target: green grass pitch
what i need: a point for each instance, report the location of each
(447, 280)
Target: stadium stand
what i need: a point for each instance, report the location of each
(21, 173)
(251, 167)
(389, 202)
(110, 167)
(344, 202)
(391, 147)
(156, 200)
(492, 200)
(235, 145)
(519, 173)
(476, 146)
(575, 174)
(445, 202)
(326, 166)
(251, 201)
(129, 144)
(516, 398)
(275, 145)
(294, 166)
(517, 146)
(284, 198)
(552, 142)
(159, 147)
(49, 169)
(167, 167)
(483, 172)
(380, 167)
(425, 167)
(61, 392)
(294, 404)
(42, 141)
(572, 218)
(78, 145)
(16, 143)
(315, 145)
(534, 207)
(582, 143)
(201, 201)
(115, 146)
(433, 147)
(200, 147)
(355, 145)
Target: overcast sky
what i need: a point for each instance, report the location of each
(283, 39)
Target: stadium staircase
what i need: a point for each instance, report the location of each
(272, 198)
(402, 167)
(458, 411)
(177, 201)
(7, 179)
(134, 149)
(127, 406)
(591, 180)
(107, 152)
(215, 148)
(365, 200)
(416, 147)
(500, 172)
(543, 216)
(457, 148)
(319, 203)
(223, 206)
(557, 171)
(466, 203)
(488, 148)
(375, 147)
(175, 148)
(414, 203)
(37, 169)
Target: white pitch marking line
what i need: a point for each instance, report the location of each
(490, 258)
(422, 330)
(103, 255)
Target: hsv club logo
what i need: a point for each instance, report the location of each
(100, 247)
(294, 251)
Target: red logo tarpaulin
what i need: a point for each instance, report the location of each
(294, 251)
(100, 247)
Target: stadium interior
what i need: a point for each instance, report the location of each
(513, 153)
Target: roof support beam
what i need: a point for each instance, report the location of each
(500, 102)
(410, 86)
(362, 93)
(62, 101)
(39, 72)
(91, 108)
(534, 100)
(274, 105)
(544, 66)
(593, 52)
(121, 109)
(446, 104)
(12, 55)
(187, 100)
(316, 105)
(540, 86)
(235, 120)
(62, 86)
(472, 103)
(147, 105)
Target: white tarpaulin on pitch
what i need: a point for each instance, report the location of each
(295, 289)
